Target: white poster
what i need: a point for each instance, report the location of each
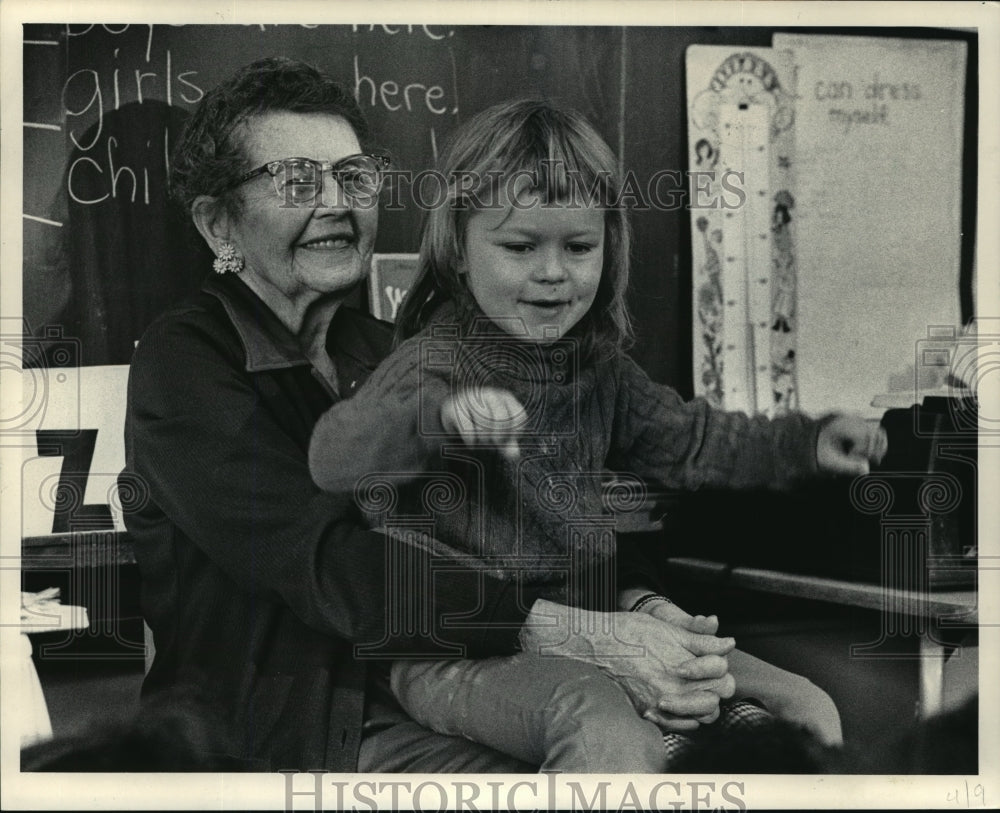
(878, 128)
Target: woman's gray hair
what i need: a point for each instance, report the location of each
(211, 155)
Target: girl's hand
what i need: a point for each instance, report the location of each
(849, 444)
(665, 610)
(672, 614)
(485, 416)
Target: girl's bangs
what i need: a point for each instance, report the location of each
(554, 171)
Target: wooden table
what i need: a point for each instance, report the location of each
(918, 609)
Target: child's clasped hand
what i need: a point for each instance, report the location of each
(848, 444)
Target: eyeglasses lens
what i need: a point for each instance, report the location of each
(297, 181)
(359, 176)
(301, 181)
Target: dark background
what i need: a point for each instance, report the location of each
(114, 265)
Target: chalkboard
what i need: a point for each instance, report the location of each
(104, 104)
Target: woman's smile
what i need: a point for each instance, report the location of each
(329, 242)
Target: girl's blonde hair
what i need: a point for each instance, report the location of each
(563, 159)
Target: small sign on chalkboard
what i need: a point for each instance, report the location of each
(390, 281)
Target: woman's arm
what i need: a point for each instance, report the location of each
(642, 599)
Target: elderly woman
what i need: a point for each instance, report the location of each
(264, 594)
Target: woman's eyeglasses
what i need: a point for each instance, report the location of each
(299, 181)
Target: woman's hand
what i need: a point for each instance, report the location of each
(663, 609)
(673, 676)
(849, 444)
(485, 416)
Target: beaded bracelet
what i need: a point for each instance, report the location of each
(648, 598)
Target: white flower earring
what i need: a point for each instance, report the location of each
(228, 261)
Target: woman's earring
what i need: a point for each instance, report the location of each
(228, 261)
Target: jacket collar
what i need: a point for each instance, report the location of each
(269, 345)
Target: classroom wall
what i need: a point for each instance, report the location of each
(104, 105)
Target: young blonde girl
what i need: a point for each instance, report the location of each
(501, 413)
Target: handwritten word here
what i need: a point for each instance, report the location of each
(392, 30)
(395, 96)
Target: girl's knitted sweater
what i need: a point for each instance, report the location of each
(551, 509)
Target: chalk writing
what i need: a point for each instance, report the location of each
(72, 31)
(89, 95)
(405, 95)
(395, 96)
(392, 30)
(87, 80)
